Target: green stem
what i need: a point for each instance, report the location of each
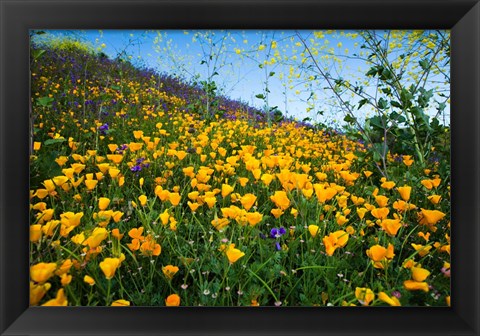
(108, 302)
(264, 284)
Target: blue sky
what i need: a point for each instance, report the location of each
(238, 62)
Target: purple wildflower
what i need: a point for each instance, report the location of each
(136, 168)
(103, 129)
(277, 232)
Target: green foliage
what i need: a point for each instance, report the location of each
(45, 101)
(401, 123)
(68, 44)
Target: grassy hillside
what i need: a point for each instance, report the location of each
(138, 197)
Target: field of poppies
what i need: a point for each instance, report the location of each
(139, 199)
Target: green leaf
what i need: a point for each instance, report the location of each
(412, 89)
(421, 117)
(45, 101)
(377, 122)
(387, 91)
(271, 74)
(424, 97)
(362, 102)
(349, 119)
(260, 96)
(382, 104)
(435, 124)
(386, 74)
(397, 117)
(441, 107)
(372, 72)
(380, 148)
(396, 104)
(116, 87)
(37, 53)
(424, 64)
(406, 98)
(53, 141)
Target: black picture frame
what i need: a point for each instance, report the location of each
(18, 16)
